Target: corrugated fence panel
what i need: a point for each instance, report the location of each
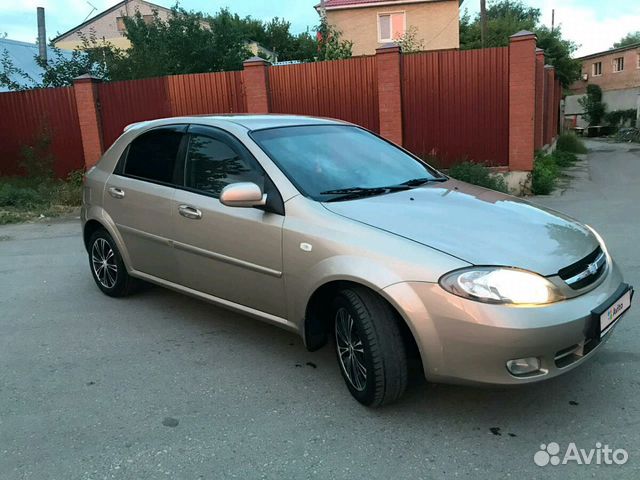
(456, 105)
(26, 116)
(122, 103)
(207, 93)
(343, 89)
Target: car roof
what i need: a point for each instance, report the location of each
(248, 121)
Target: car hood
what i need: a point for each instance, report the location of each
(480, 226)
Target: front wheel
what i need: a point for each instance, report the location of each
(369, 346)
(107, 267)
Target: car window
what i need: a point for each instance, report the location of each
(321, 158)
(152, 156)
(212, 164)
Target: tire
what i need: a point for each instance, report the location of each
(107, 268)
(376, 344)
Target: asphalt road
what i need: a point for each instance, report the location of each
(159, 385)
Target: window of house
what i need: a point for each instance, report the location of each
(391, 26)
(618, 64)
(152, 156)
(596, 69)
(212, 164)
(639, 60)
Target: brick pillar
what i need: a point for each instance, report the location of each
(522, 105)
(539, 125)
(388, 63)
(550, 74)
(256, 85)
(86, 92)
(559, 119)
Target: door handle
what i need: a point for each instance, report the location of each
(116, 192)
(190, 212)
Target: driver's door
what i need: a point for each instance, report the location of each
(229, 252)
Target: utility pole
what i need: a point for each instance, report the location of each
(553, 20)
(483, 22)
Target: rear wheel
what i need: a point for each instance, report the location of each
(369, 346)
(107, 267)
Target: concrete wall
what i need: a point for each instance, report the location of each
(106, 26)
(437, 24)
(615, 100)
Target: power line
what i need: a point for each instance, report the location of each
(447, 25)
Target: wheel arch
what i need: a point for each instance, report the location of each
(98, 218)
(317, 321)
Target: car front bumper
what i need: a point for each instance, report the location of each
(463, 341)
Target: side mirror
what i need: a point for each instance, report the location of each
(243, 194)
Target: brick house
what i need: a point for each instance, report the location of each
(616, 71)
(370, 24)
(109, 25)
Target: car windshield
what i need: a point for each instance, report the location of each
(336, 162)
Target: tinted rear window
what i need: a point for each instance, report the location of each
(152, 156)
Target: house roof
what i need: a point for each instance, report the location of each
(102, 14)
(338, 4)
(22, 55)
(609, 52)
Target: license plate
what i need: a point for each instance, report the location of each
(614, 312)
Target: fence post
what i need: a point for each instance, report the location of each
(549, 86)
(522, 95)
(256, 84)
(388, 59)
(86, 92)
(539, 128)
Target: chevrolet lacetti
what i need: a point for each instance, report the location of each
(327, 230)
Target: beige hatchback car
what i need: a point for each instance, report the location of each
(327, 230)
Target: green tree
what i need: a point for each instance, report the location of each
(594, 108)
(629, 39)
(330, 44)
(409, 42)
(506, 17)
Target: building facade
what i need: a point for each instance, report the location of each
(616, 71)
(369, 24)
(109, 25)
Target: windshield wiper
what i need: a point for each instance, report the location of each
(415, 182)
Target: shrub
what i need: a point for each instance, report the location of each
(618, 118)
(543, 177)
(12, 195)
(568, 142)
(37, 159)
(478, 174)
(564, 159)
(592, 104)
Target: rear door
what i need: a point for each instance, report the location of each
(229, 252)
(139, 195)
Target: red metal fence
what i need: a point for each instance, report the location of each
(31, 116)
(122, 103)
(456, 105)
(206, 93)
(343, 89)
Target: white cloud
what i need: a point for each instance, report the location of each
(594, 27)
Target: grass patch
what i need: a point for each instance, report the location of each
(478, 174)
(23, 198)
(568, 142)
(547, 169)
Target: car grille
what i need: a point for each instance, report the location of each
(586, 271)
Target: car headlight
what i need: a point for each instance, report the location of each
(500, 285)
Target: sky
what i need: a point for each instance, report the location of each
(593, 24)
